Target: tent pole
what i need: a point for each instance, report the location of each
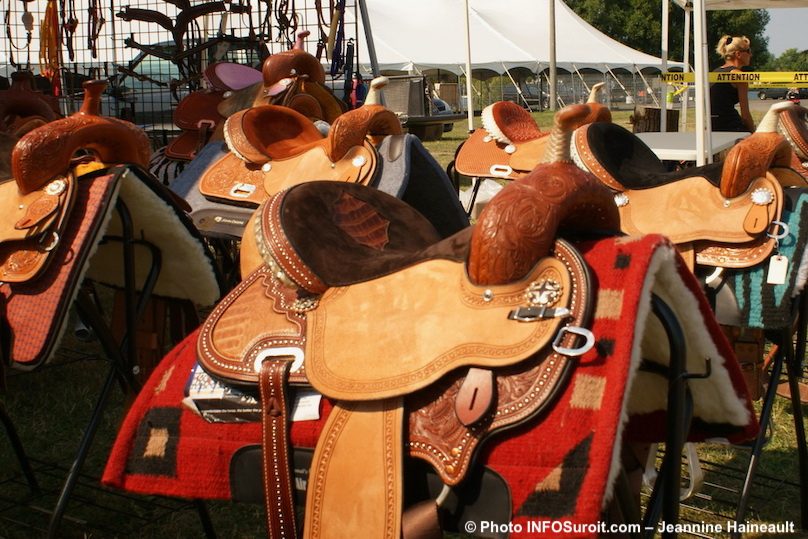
(663, 117)
(702, 104)
(552, 25)
(686, 67)
(374, 61)
(469, 100)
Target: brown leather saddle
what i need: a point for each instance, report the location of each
(293, 79)
(722, 214)
(273, 147)
(23, 108)
(510, 143)
(197, 115)
(427, 345)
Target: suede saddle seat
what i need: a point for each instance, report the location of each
(726, 212)
(427, 345)
(510, 143)
(274, 147)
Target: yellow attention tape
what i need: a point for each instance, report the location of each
(769, 78)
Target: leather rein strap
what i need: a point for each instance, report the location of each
(275, 404)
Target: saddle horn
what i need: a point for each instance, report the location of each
(555, 195)
(597, 111)
(47, 151)
(375, 94)
(751, 157)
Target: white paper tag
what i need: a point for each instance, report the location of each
(306, 406)
(778, 268)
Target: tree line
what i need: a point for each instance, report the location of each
(638, 24)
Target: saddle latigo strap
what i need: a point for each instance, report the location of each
(277, 448)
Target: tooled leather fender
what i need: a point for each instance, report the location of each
(46, 152)
(555, 195)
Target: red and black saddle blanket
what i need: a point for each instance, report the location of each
(561, 465)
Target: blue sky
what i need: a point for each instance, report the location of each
(788, 28)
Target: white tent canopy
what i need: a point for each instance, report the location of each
(430, 34)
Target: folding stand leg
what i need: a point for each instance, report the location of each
(664, 499)
(19, 451)
(795, 366)
(765, 417)
(118, 361)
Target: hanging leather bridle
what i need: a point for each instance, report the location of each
(28, 23)
(288, 20)
(95, 23)
(67, 13)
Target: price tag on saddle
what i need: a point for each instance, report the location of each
(778, 268)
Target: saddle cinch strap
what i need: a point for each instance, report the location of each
(275, 147)
(37, 203)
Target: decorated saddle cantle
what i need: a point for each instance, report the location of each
(67, 178)
(793, 124)
(510, 143)
(723, 214)
(335, 297)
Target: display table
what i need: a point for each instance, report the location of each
(681, 146)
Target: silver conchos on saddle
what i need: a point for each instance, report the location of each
(762, 196)
(621, 199)
(540, 295)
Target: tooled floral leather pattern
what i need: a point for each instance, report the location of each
(46, 152)
(520, 223)
(515, 122)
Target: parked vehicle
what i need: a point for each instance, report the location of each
(779, 93)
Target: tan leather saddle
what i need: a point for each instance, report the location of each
(274, 147)
(794, 126)
(510, 143)
(428, 346)
(36, 202)
(722, 214)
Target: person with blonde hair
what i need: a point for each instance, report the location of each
(737, 55)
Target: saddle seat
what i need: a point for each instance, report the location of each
(722, 210)
(274, 147)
